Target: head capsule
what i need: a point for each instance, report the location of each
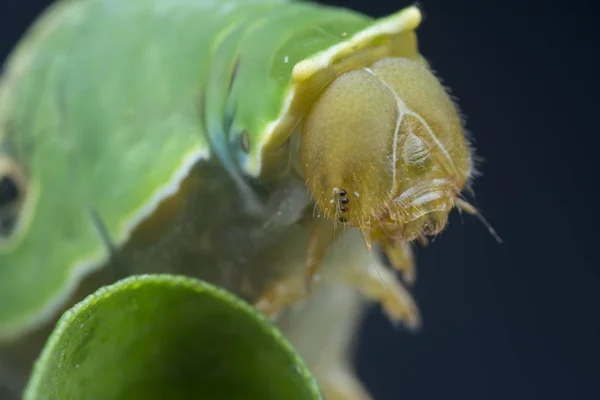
(383, 149)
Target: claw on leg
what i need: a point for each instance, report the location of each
(401, 258)
(381, 284)
(281, 294)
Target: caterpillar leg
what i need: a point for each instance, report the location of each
(293, 288)
(324, 325)
(362, 271)
(323, 330)
(400, 256)
(281, 294)
(367, 273)
(342, 384)
(349, 263)
(380, 284)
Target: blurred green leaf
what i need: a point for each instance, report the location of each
(167, 337)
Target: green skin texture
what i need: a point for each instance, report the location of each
(97, 136)
(206, 344)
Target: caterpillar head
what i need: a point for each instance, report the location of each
(383, 149)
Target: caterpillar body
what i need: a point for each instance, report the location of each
(200, 136)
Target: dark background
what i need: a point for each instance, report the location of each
(517, 320)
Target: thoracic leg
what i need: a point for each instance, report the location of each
(323, 331)
(401, 258)
(323, 326)
(362, 270)
(321, 234)
(366, 272)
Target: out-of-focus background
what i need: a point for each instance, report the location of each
(518, 320)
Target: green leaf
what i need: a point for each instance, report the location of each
(168, 337)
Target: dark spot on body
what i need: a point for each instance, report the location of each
(342, 193)
(12, 194)
(342, 219)
(234, 71)
(245, 141)
(345, 200)
(9, 191)
(343, 209)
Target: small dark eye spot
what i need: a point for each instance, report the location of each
(342, 193)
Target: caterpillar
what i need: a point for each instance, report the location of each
(265, 145)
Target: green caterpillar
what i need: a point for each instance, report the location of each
(237, 141)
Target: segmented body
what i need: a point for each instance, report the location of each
(111, 103)
(171, 136)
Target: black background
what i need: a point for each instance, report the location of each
(517, 320)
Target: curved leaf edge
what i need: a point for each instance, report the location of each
(196, 285)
